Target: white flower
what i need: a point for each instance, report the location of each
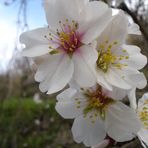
(142, 112)
(73, 25)
(118, 63)
(102, 144)
(97, 114)
(134, 29)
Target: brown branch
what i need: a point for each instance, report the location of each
(124, 7)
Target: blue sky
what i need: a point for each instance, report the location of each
(35, 13)
(8, 17)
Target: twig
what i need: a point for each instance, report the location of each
(124, 7)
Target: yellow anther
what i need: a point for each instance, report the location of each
(54, 51)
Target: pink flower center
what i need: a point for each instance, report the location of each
(67, 37)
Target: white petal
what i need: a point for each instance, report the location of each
(128, 70)
(35, 51)
(60, 10)
(102, 81)
(133, 77)
(116, 80)
(134, 29)
(132, 98)
(84, 61)
(73, 84)
(43, 69)
(121, 122)
(68, 110)
(131, 49)
(67, 95)
(116, 29)
(143, 99)
(102, 144)
(40, 59)
(87, 132)
(143, 134)
(36, 43)
(67, 105)
(92, 12)
(137, 80)
(136, 59)
(60, 72)
(116, 93)
(96, 28)
(33, 37)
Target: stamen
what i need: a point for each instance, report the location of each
(66, 36)
(97, 102)
(106, 58)
(144, 116)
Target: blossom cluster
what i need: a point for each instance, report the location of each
(84, 52)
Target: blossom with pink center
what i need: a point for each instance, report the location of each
(66, 46)
(68, 39)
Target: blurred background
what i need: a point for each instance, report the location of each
(27, 116)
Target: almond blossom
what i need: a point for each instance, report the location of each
(66, 44)
(97, 114)
(118, 64)
(142, 112)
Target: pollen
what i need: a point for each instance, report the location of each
(107, 57)
(66, 36)
(144, 116)
(97, 103)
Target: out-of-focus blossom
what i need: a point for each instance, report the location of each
(142, 112)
